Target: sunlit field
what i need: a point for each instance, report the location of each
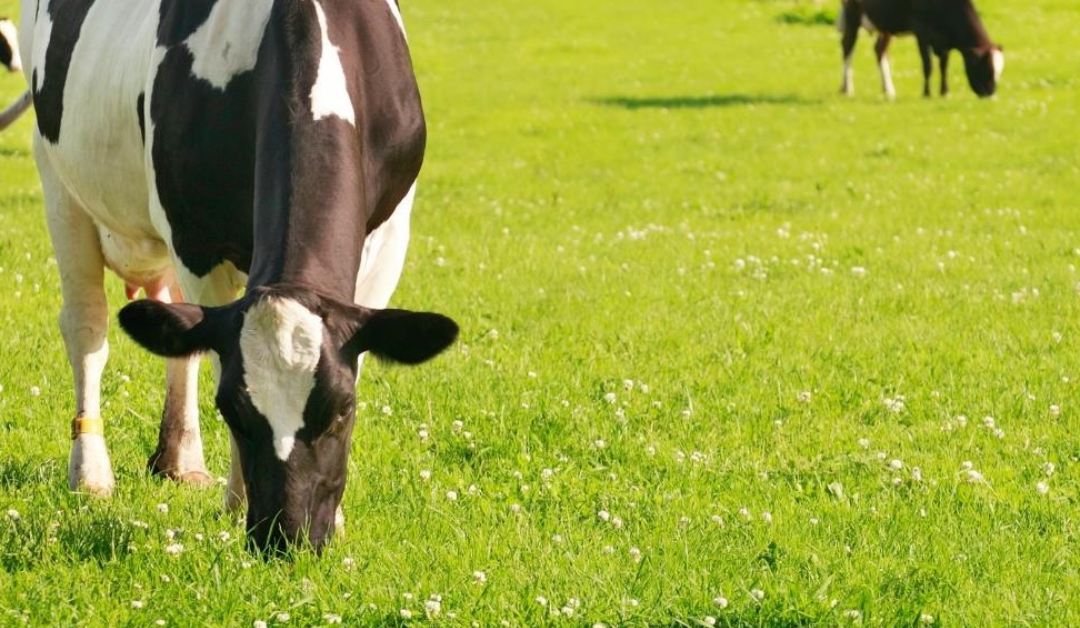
(736, 350)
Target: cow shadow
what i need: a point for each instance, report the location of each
(701, 102)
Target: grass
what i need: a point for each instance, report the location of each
(677, 197)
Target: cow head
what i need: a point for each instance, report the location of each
(9, 45)
(288, 360)
(984, 67)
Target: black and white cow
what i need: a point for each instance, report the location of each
(9, 46)
(940, 26)
(197, 147)
(11, 60)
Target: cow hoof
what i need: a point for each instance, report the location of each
(200, 479)
(89, 469)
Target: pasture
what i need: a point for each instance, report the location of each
(736, 350)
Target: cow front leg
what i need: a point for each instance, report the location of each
(84, 320)
(850, 19)
(881, 47)
(927, 67)
(179, 452)
(943, 63)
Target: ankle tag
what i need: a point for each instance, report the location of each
(87, 425)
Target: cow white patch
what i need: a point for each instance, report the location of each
(997, 58)
(330, 94)
(886, 78)
(396, 11)
(42, 36)
(227, 44)
(9, 33)
(281, 342)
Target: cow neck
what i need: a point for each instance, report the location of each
(309, 212)
(976, 36)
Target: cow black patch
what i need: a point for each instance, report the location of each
(140, 110)
(179, 20)
(7, 51)
(67, 19)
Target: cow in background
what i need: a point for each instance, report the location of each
(940, 26)
(9, 46)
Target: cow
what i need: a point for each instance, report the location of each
(11, 60)
(9, 46)
(204, 149)
(940, 26)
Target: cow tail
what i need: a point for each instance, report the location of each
(12, 113)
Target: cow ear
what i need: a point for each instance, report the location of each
(403, 336)
(169, 330)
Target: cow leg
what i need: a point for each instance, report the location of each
(179, 453)
(927, 66)
(943, 62)
(850, 19)
(84, 320)
(882, 50)
(218, 288)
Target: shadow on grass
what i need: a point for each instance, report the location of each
(701, 102)
(17, 474)
(807, 18)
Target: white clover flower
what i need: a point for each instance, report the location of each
(174, 548)
(709, 620)
(1048, 468)
(604, 515)
(433, 607)
(989, 422)
(757, 594)
(515, 508)
(331, 618)
(966, 465)
(974, 477)
(35, 391)
(541, 600)
(961, 420)
(766, 516)
(720, 602)
(859, 271)
(926, 618)
(405, 613)
(13, 514)
(1055, 411)
(745, 513)
(159, 622)
(853, 614)
(599, 444)
(258, 623)
(425, 474)
(224, 536)
(635, 554)
(609, 397)
(451, 495)
(457, 426)
(1043, 488)
(628, 384)
(547, 474)
(387, 410)
(617, 523)
(896, 465)
(804, 396)
(864, 443)
(479, 577)
(163, 508)
(916, 474)
(136, 604)
(556, 538)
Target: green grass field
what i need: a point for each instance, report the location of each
(721, 331)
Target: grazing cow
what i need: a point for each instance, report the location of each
(9, 46)
(196, 147)
(939, 26)
(10, 58)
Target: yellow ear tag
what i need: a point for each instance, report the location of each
(87, 425)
